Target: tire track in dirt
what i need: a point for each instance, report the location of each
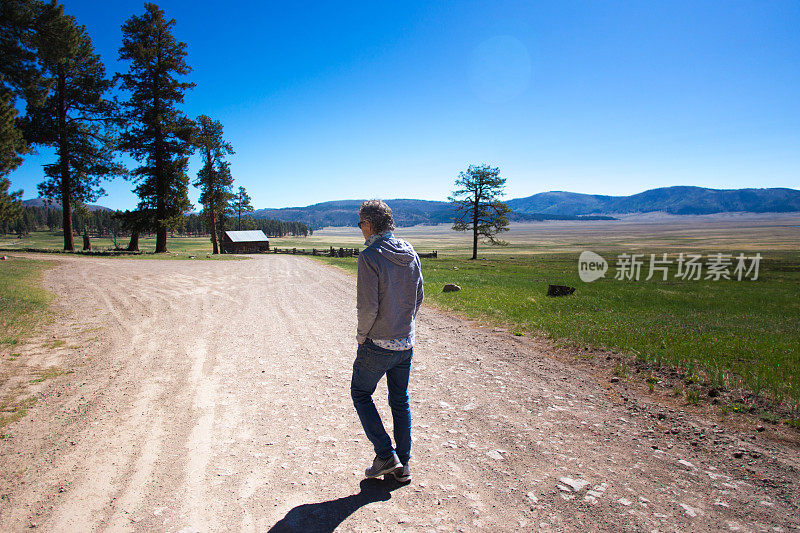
(112, 484)
(125, 467)
(200, 443)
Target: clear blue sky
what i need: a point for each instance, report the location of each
(347, 100)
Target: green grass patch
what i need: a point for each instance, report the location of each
(347, 264)
(23, 301)
(725, 333)
(735, 407)
(692, 397)
(12, 410)
(55, 343)
(771, 418)
(621, 370)
(48, 373)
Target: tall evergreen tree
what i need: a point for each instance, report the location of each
(158, 134)
(19, 75)
(241, 204)
(10, 206)
(477, 206)
(214, 179)
(73, 116)
(12, 143)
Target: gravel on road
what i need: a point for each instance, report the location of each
(214, 396)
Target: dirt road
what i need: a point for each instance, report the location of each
(214, 396)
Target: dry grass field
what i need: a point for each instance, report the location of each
(727, 232)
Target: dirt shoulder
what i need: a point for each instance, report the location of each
(208, 396)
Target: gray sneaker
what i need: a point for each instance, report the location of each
(383, 466)
(403, 475)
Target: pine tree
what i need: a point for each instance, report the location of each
(158, 133)
(12, 143)
(214, 179)
(241, 204)
(19, 75)
(73, 116)
(10, 206)
(477, 207)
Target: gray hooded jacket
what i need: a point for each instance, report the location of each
(389, 290)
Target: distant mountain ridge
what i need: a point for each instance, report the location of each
(407, 212)
(679, 200)
(560, 205)
(56, 204)
(552, 205)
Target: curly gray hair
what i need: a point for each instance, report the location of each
(379, 215)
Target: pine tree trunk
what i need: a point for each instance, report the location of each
(161, 229)
(63, 155)
(66, 210)
(161, 192)
(220, 232)
(475, 229)
(215, 249)
(133, 246)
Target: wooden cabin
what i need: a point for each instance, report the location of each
(244, 242)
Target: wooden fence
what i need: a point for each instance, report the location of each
(330, 252)
(333, 252)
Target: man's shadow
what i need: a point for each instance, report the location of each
(326, 516)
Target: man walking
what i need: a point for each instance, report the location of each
(389, 294)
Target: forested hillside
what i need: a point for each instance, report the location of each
(681, 200)
(103, 222)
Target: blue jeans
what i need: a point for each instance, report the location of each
(371, 363)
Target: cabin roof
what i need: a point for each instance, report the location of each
(247, 236)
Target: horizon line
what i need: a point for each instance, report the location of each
(445, 201)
